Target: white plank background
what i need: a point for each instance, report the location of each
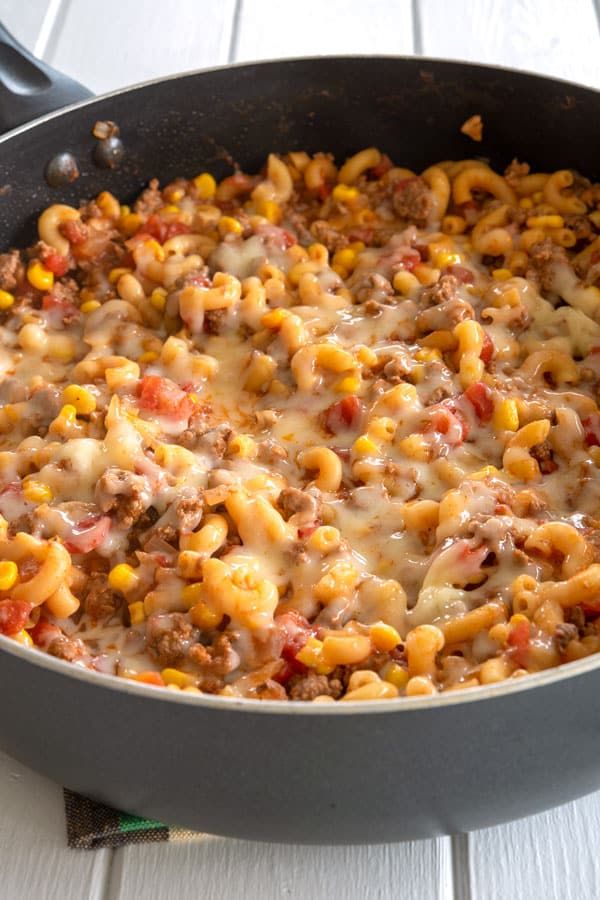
(117, 42)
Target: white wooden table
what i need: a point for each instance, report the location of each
(109, 43)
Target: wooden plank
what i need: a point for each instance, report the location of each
(269, 28)
(550, 37)
(111, 44)
(553, 855)
(220, 869)
(34, 859)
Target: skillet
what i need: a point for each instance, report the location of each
(360, 772)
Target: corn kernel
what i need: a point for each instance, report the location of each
(394, 674)
(123, 578)
(115, 274)
(36, 492)
(169, 209)
(364, 446)
(405, 282)
(415, 446)
(501, 274)
(349, 385)
(229, 225)
(310, 654)
(148, 357)
(23, 637)
(158, 298)
(526, 203)
(6, 299)
(137, 613)
(441, 258)
(346, 258)
(269, 210)
(203, 616)
(366, 356)
(178, 678)
(340, 270)
(206, 186)
(384, 637)
(39, 276)
(506, 415)
(8, 574)
(79, 397)
(428, 354)
(89, 306)
(176, 195)
(68, 413)
(342, 193)
(124, 210)
(129, 223)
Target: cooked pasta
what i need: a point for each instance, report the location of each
(316, 434)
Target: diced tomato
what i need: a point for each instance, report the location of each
(75, 231)
(384, 165)
(161, 230)
(13, 615)
(296, 631)
(163, 396)
(344, 414)
(324, 190)
(56, 262)
(305, 531)
(88, 534)
(60, 307)
(154, 678)
(446, 419)
(280, 237)
(487, 351)
(461, 273)
(480, 397)
(410, 260)
(591, 427)
(518, 638)
(43, 632)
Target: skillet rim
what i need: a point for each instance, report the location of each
(474, 66)
(272, 707)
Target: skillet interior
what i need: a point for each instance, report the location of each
(325, 778)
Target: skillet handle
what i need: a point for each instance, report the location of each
(29, 88)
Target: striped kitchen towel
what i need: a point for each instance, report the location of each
(91, 825)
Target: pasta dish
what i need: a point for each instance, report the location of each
(322, 433)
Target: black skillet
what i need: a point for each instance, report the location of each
(362, 772)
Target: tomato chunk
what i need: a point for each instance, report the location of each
(88, 534)
(343, 414)
(56, 262)
(295, 630)
(75, 231)
(519, 637)
(163, 396)
(461, 273)
(591, 427)
(487, 351)
(447, 420)
(480, 397)
(43, 632)
(13, 615)
(161, 230)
